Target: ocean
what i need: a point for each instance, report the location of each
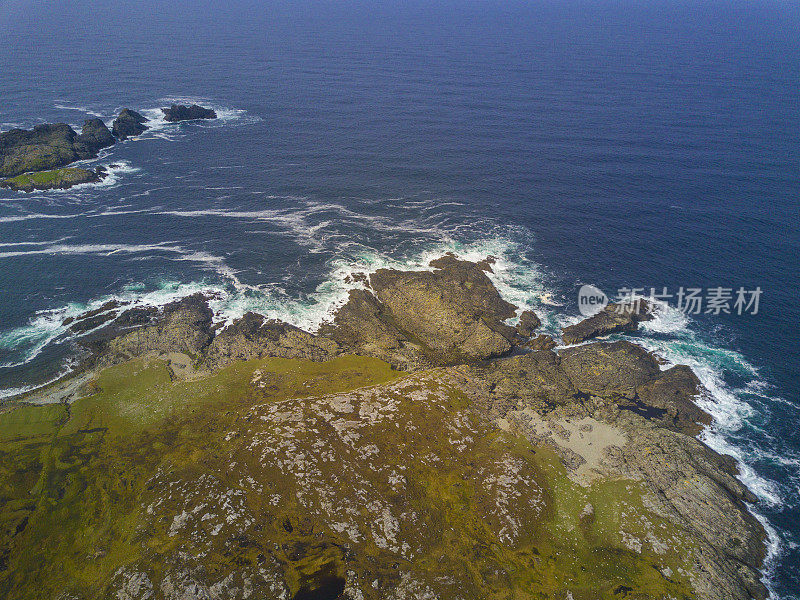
(623, 144)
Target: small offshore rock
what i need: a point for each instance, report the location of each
(180, 112)
(95, 135)
(129, 123)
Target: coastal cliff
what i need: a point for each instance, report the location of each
(417, 446)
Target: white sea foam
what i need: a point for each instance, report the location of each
(158, 127)
(84, 109)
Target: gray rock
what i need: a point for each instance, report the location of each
(253, 336)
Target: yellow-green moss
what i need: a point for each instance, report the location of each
(233, 473)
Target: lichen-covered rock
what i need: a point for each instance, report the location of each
(182, 326)
(129, 123)
(253, 336)
(609, 368)
(614, 318)
(454, 313)
(535, 379)
(180, 112)
(540, 342)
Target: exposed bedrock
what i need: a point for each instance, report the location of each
(614, 318)
(50, 146)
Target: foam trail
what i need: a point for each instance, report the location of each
(83, 109)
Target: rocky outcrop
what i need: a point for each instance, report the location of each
(609, 369)
(50, 146)
(540, 342)
(614, 318)
(129, 123)
(184, 326)
(528, 323)
(447, 315)
(253, 336)
(675, 391)
(59, 179)
(95, 136)
(180, 112)
(609, 411)
(453, 312)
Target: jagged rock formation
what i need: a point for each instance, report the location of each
(260, 460)
(95, 135)
(50, 146)
(129, 123)
(253, 336)
(614, 318)
(180, 112)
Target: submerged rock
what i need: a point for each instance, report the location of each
(614, 318)
(180, 112)
(129, 123)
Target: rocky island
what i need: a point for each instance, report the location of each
(129, 123)
(32, 159)
(180, 112)
(416, 447)
(48, 146)
(57, 179)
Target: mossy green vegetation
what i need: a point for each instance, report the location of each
(285, 478)
(55, 178)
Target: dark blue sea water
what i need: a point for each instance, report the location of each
(617, 143)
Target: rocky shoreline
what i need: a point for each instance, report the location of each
(647, 495)
(34, 159)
